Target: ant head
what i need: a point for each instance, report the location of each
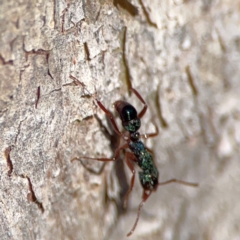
(128, 115)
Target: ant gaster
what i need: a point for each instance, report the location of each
(139, 153)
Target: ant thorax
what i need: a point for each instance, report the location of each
(132, 125)
(134, 136)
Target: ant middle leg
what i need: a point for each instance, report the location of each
(93, 171)
(116, 155)
(150, 135)
(130, 156)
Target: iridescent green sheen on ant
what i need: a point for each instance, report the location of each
(149, 176)
(132, 126)
(139, 153)
(128, 115)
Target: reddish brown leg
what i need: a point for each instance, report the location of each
(178, 181)
(143, 111)
(116, 155)
(130, 156)
(111, 118)
(108, 113)
(145, 196)
(149, 135)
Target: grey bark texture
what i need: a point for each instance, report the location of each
(182, 56)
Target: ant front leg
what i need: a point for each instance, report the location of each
(150, 135)
(107, 112)
(143, 111)
(145, 196)
(111, 118)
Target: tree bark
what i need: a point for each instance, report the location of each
(57, 57)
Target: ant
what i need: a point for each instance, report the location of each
(139, 153)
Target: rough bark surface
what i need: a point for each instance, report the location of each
(182, 56)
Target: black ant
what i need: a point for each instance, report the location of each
(140, 154)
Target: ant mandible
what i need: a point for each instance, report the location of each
(139, 153)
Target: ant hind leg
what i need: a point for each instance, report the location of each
(144, 199)
(178, 181)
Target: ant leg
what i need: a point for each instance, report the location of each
(116, 155)
(146, 196)
(180, 182)
(111, 118)
(108, 113)
(144, 199)
(143, 111)
(149, 135)
(130, 156)
(95, 172)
